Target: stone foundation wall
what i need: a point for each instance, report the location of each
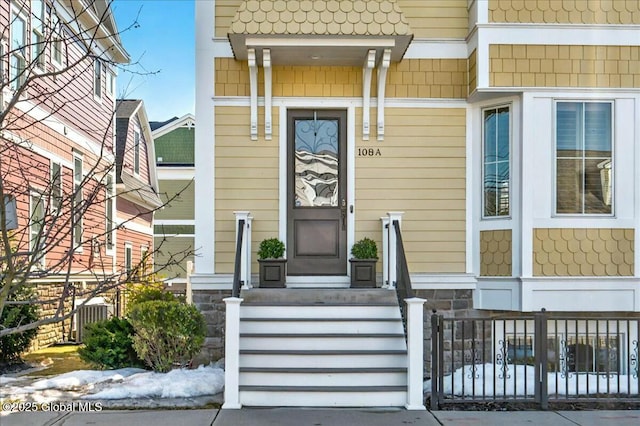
(211, 304)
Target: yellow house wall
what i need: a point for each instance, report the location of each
(427, 19)
(613, 12)
(564, 66)
(473, 72)
(416, 78)
(246, 179)
(583, 252)
(421, 171)
(496, 253)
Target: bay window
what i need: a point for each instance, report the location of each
(496, 161)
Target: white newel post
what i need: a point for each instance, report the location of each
(415, 353)
(232, 354)
(384, 220)
(188, 291)
(245, 253)
(392, 260)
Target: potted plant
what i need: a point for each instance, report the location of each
(273, 265)
(363, 263)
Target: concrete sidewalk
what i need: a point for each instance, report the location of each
(323, 417)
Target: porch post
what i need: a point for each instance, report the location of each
(385, 251)
(415, 354)
(232, 354)
(245, 254)
(393, 260)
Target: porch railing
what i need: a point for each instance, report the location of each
(537, 360)
(403, 280)
(237, 280)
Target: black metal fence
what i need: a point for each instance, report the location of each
(538, 358)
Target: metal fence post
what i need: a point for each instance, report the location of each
(541, 360)
(435, 350)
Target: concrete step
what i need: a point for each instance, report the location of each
(321, 325)
(322, 341)
(329, 377)
(319, 296)
(379, 396)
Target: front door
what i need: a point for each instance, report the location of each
(316, 192)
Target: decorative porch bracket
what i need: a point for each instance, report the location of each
(383, 67)
(391, 255)
(245, 253)
(367, 74)
(232, 354)
(266, 64)
(415, 354)
(384, 220)
(253, 86)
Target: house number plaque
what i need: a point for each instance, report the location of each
(369, 152)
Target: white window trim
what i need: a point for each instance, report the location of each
(37, 194)
(97, 62)
(128, 260)
(56, 191)
(57, 39)
(508, 105)
(40, 65)
(554, 190)
(18, 13)
(78, 246)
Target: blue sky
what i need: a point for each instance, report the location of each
(164, 42)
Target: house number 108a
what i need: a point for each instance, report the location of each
(369, 152)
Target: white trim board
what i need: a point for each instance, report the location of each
(339, 102)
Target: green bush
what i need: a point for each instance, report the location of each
(167, 333)
(147, 291)
(12, 345)
(271, 248)
(366, 248)
(108, 345)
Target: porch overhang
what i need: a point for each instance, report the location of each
(359, 33)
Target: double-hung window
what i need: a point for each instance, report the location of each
(77, 202)
(56, 186)
(36, 228)
(128, 259)
(584, 161)
(37, 33)
(496, 160)
(97, 78)
(17, 47)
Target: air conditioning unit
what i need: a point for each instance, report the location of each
(89, 314)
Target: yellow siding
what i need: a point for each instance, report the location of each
(168, 249)
(473, 73)
(422, 172)
(495, 253)
(411, 78)
(225, 11)
(564, 66)
(583, 252)
(613, 12)
(436, 18)
(427, 19)
(246, 179)
(181, 206)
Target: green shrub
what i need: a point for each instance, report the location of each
(108, 345)
(12, 345)
(271, 248)
(366, 248)
(167, 333)
(147, 291)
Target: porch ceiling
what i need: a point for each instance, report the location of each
(319, 32)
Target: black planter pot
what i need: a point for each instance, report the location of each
(273, 273)
(363, 273)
